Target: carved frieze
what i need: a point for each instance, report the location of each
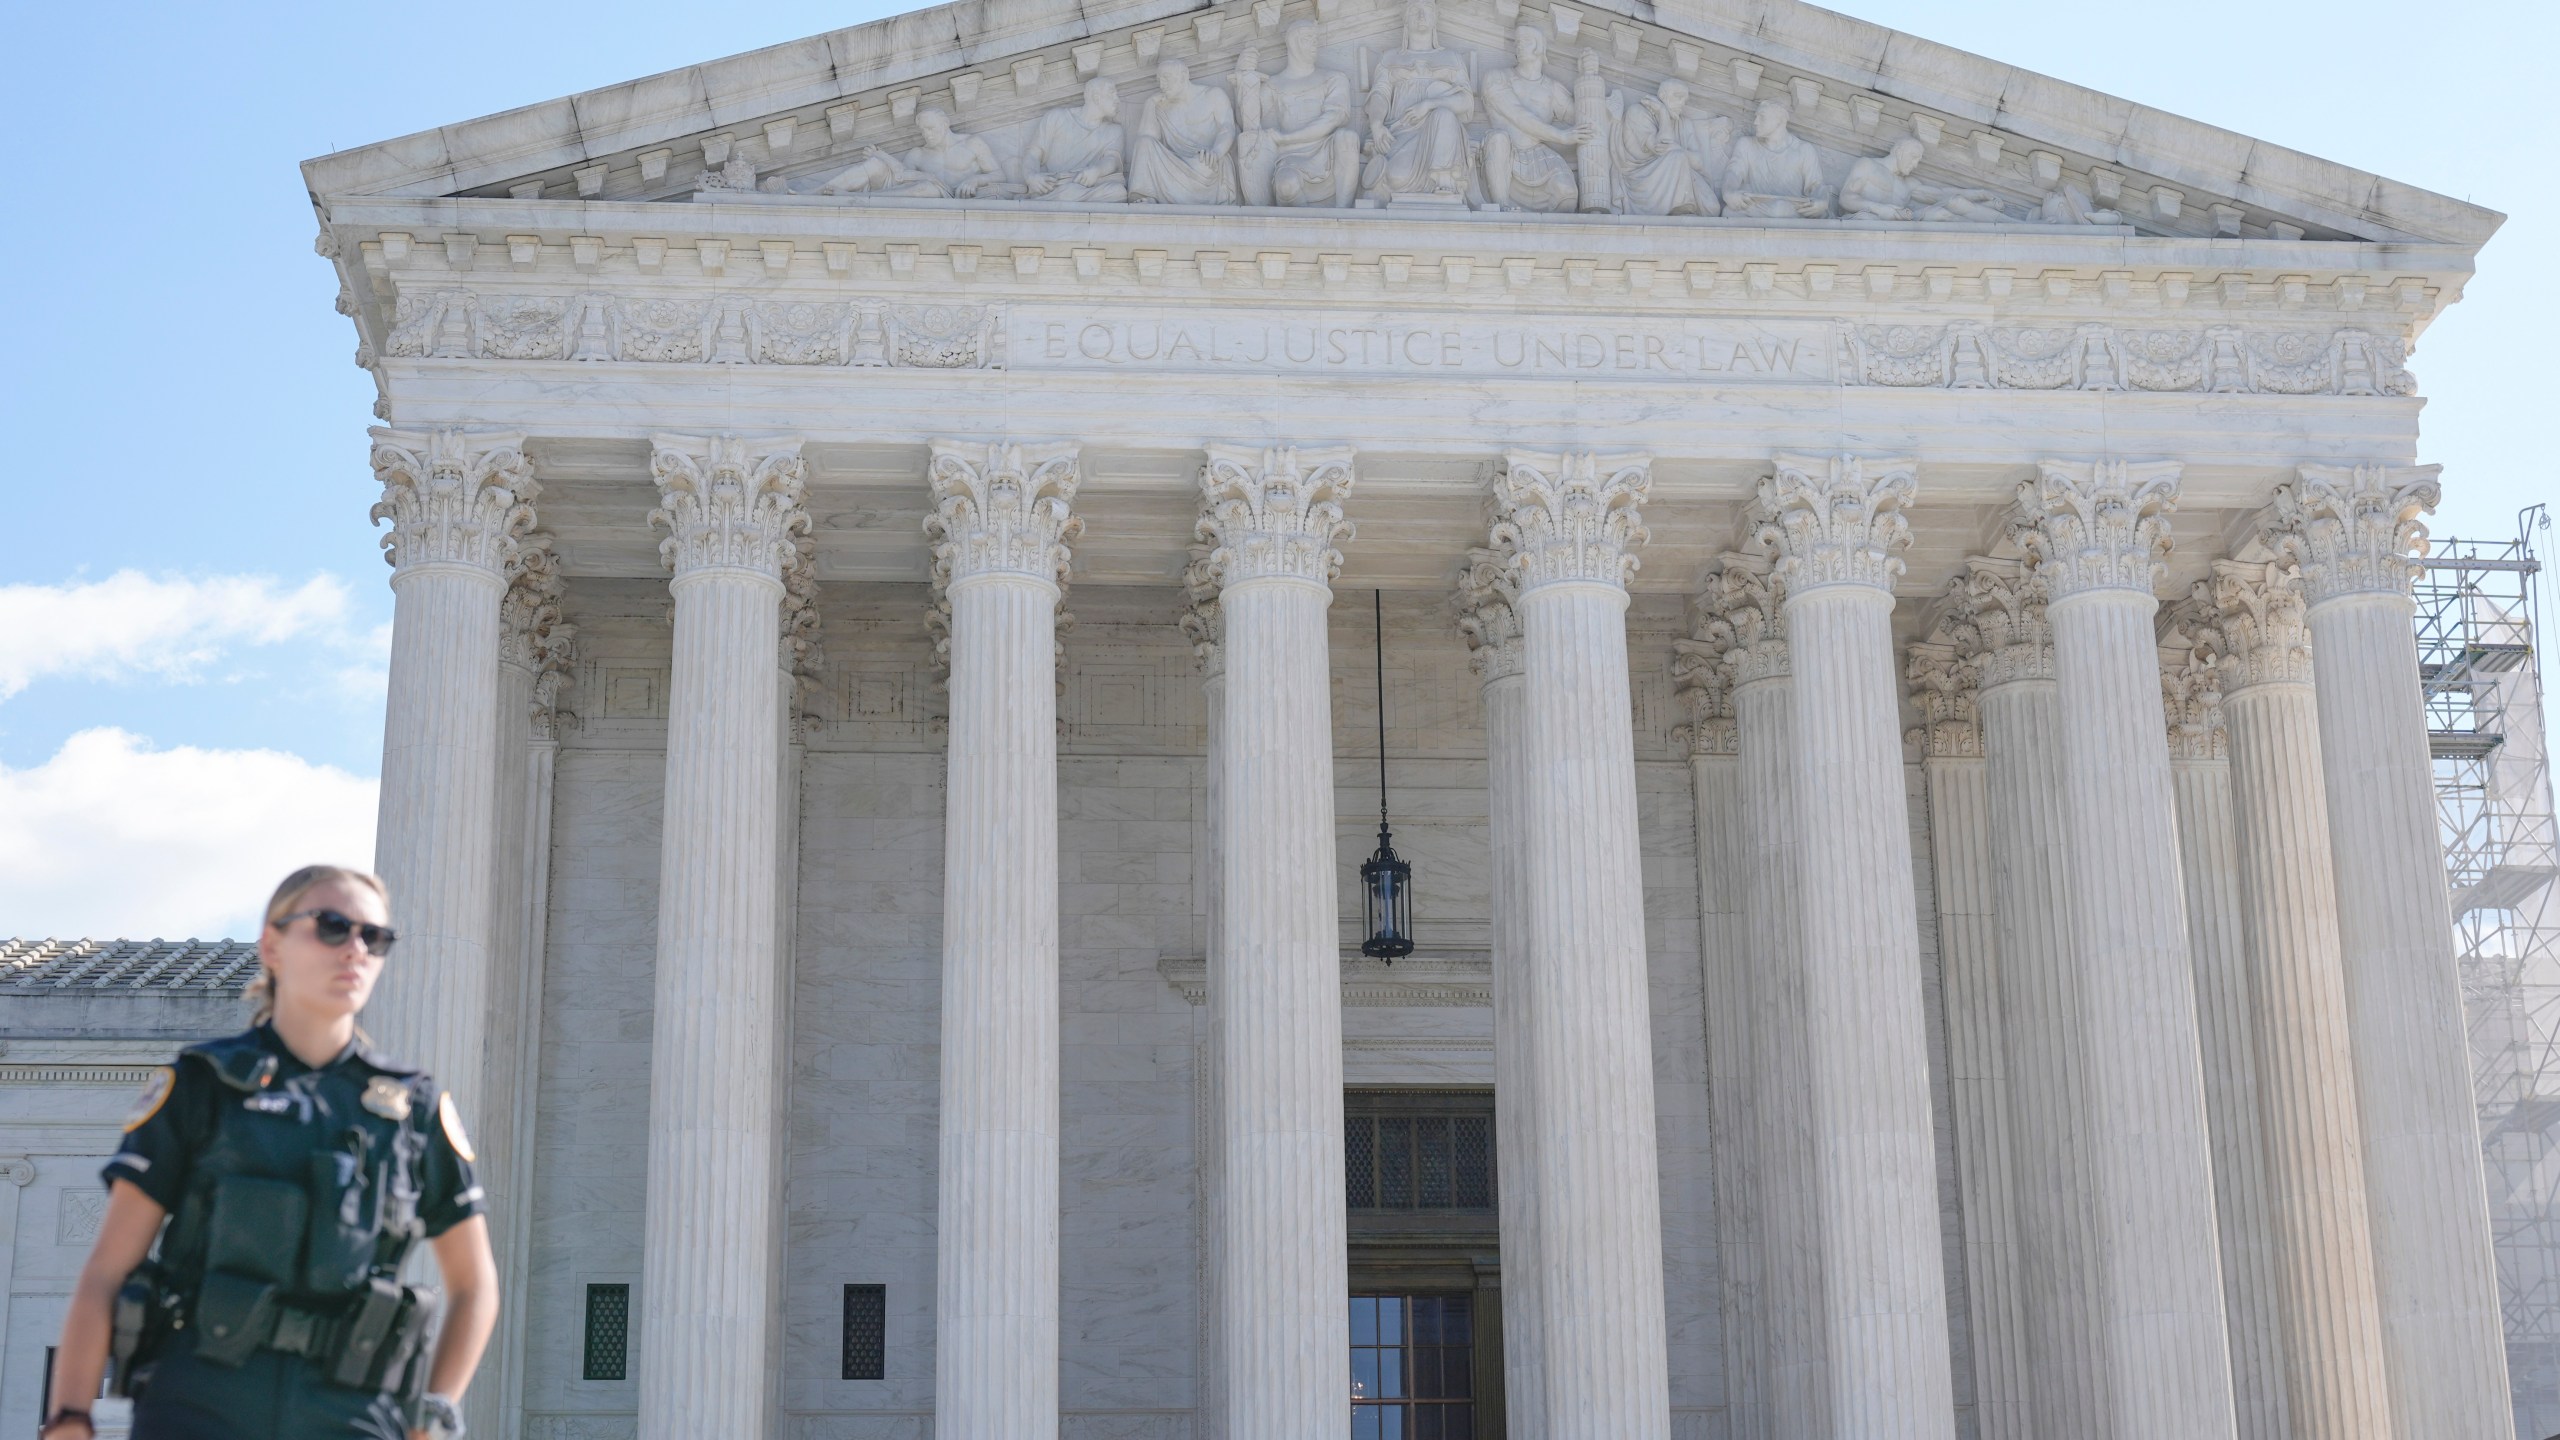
(459, 324)
(2214, 359)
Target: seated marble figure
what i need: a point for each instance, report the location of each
(1419, 103)
(1075, 151)
(1185, 153)
(948, 165)
(1299, 145)
(1662, 153)
(1881, 189)
(1775, 174)
(1532, 116)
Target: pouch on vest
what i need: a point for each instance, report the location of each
(234, 1315)
(256, 1230)
(345, 1218)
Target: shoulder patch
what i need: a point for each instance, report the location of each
(155, 1093)
(452, 1119)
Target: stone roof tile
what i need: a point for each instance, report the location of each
(172, 967)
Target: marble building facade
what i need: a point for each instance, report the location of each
(1899, 695)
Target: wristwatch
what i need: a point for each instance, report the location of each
(443, 1418)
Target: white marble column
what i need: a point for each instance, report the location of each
(1202, 625)
(458, 502)
(732, 507)
(2351, 531)
(1275, 518)
(1487, 616)
(2098, 530)
(1837, 526)
(1000, 527)
(1570, 520)
(796, 662)
(2333, 1362)
(1995, 613)
(532, 638)
(2209, 859)
(1943, 686)
(1743, 617)
(1726, 962)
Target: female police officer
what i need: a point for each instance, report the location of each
(297, 1168)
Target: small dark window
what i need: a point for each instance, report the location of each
(1418, 1150)
(866, 1332)
(608, 1331)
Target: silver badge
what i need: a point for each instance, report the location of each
(387, 1098)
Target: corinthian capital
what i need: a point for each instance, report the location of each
(2098, 524)
(1002, 509)
(728, 503)
(1742, 612)
(453, 497)
(1274, 512)
(1994, 615)
(1836, 519)
(1487, 615)
(531, 607)
(1201, 620)
(1571, 515)
(1943, 687)
(2191, 693)
(2258, 611)
(2352, 529)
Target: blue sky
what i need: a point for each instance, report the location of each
(181, 406)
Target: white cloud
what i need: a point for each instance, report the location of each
(169, 627)
(111, 838)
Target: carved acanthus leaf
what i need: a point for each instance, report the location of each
(1002, 509)
(729, 502)
(1743, 611)
(2353, 529)
(1201, 620)
(2098, 524)
(1573, 515)
(1275, 512)
(1487, 614)
(1836, 519)
(1943, 687)
(2260, 612)
(2191, 695)
(1994, 616)
(453, 497)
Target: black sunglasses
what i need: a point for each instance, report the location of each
(331, 928)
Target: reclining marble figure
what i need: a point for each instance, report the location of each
(1881, 189)
(948, 165)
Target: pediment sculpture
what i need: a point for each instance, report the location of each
(1427, 124)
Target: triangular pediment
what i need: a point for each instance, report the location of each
(1998, 146)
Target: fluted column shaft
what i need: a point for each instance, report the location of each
(732, 506)
(1837, 523)
(2208, 845)
(1571, 521)
(1999, 612)
(2333, 1360)
(1201, 624)
(1970, 961)
(2435, 1275)
(1276, 516)
(2099, 533)
(1000, 523)
(1491, 623)
(458, 501)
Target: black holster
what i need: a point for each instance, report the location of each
(146, 1310)
(384, 1337)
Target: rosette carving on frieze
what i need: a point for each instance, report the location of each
(1002, 508)
(1836, 519)
(1944, 687)
(1487, 615)
(453, 497)
(2353, 529)
(2261, 612)
(1994, 615)
(729, 502)
(2098, 524)
(1571, 515)
(1275, 512)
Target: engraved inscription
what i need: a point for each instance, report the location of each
(1706, 350)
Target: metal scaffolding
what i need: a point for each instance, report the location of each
(2478, 619)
